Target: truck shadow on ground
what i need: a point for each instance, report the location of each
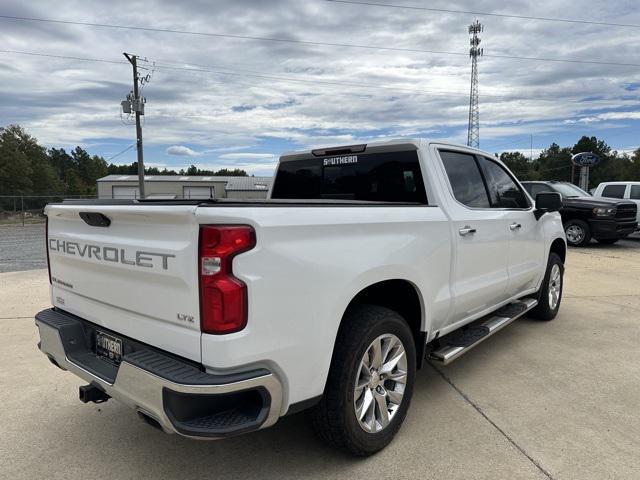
(109, 441)
(109, 438)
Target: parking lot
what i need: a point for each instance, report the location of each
(539, 400)
(22, 247)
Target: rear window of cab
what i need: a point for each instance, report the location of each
(380, 177)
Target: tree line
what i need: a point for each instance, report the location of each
(28, 168)
(554, 163)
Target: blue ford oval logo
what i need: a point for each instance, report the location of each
(585, 159)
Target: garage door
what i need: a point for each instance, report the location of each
(125, 192)
(197, 192)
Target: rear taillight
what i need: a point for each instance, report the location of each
(223, 297)
(46, 245)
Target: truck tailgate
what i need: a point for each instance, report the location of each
(138, 276)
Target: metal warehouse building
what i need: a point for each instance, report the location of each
(180, 186)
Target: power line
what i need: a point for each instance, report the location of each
(213, 69)
(507, 144)
(308, 42)
(564, 60)
(260, 74)
(121, 152)
(267, 76)
(445, 93)
(489, 14)
(244, 73)
(63, 57)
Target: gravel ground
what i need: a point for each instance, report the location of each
(22, 248)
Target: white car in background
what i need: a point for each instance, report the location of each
(625, 190)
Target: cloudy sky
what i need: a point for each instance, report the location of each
(219, 102)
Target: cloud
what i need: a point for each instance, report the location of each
(277, 96)
(601, 117)
(182, 151)
(242, 155)
(526, 152)
(243, 108)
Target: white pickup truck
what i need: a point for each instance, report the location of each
(217, 317)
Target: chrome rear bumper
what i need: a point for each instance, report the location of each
(176, 394)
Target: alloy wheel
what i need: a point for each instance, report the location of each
(575, 234)
(380, 383)
(555, 284)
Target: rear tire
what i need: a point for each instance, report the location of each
(365, 401)
(550, 293)
(577, 232)
(607, 241)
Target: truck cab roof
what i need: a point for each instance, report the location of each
(396, 144)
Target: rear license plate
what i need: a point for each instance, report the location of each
(109, 347)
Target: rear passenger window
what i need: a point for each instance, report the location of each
(465, 179)
(503, 190)
(635, 192)
(614, 191)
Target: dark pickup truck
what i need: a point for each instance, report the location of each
(585, 217)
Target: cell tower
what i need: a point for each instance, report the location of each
(473, 134)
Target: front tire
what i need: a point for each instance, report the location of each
(370, 382)
(550, 293)
(577, 232)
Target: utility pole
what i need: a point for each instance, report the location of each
(531, 149)
(135, 103)
(473, 133)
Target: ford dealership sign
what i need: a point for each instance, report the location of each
(585, 159)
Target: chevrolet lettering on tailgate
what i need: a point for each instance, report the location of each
(139, 258)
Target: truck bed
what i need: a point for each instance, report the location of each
(228, 202)
(159, 305)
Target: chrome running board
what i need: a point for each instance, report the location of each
(461, 341)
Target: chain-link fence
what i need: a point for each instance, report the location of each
(28, 209)
(22, 235)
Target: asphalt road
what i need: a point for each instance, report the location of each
(555, 400)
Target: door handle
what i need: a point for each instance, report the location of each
(515, 226)
(466, 230)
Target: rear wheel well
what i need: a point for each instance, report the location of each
(400, 296)
(558, 246)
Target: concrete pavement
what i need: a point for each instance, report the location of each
(539, 400)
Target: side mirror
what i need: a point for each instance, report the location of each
(547, 202)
